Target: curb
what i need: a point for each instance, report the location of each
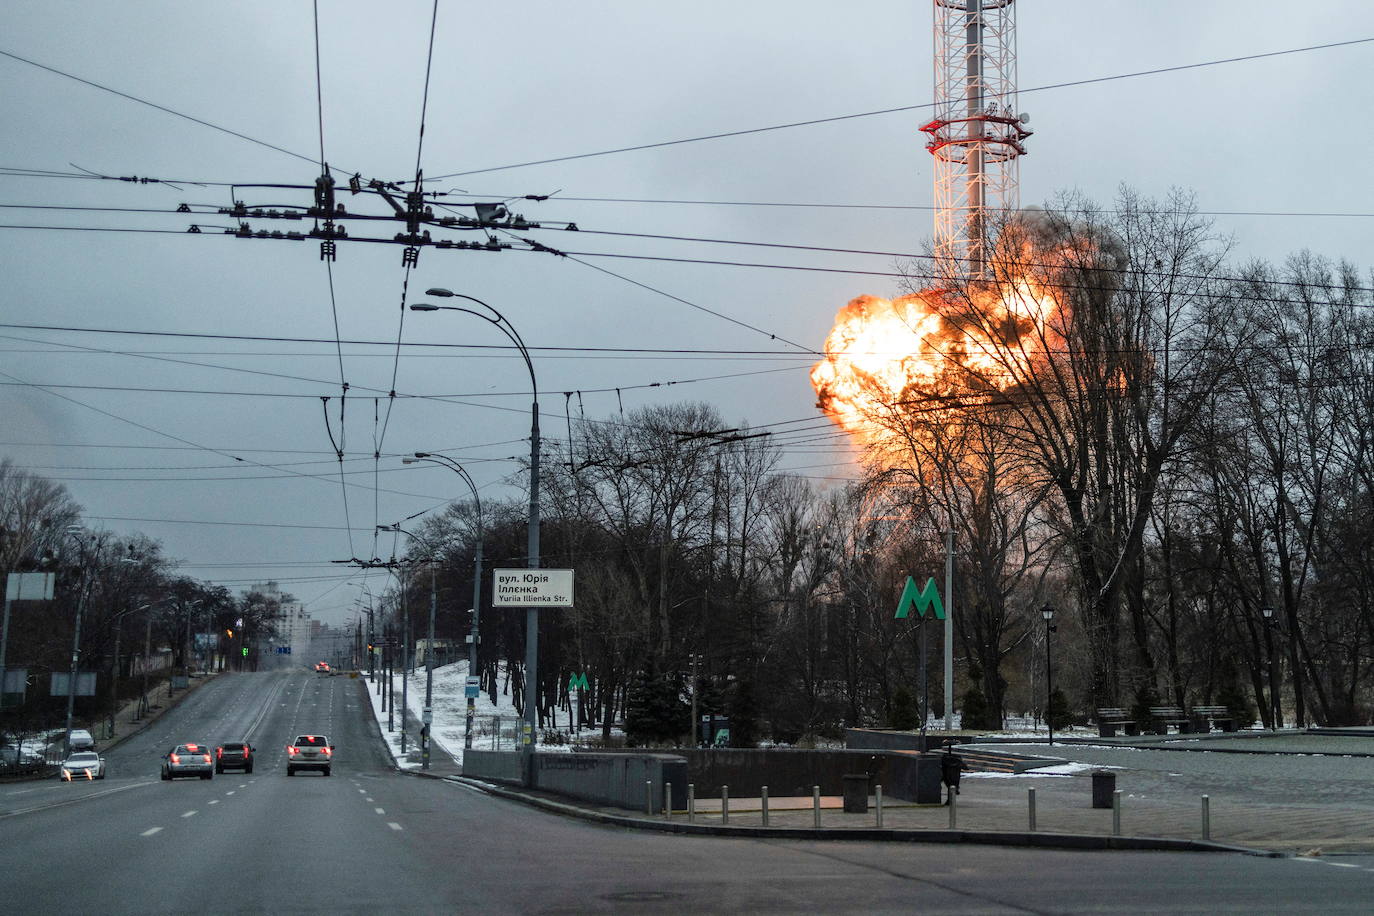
(870, 834)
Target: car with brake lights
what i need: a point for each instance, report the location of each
(234, 755)
(82, 765)
(189, 759)
(322, 667)
(309, 752)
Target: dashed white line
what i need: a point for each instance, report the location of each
(189, 814)
(393, 825)
(230, 792)
(380, 810)
(150, 831)
(214, 801)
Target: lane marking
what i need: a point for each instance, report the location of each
(150, 831)
(230, 792)
(214, 801)
(394, 826)
(380, 810)
(189, 814)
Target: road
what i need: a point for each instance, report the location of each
(368, 839)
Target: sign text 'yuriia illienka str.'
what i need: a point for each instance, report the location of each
(532, 588)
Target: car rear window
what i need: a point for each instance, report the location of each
(310, 741)
(233, 747)
(192, 749)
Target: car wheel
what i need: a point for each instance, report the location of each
(166, 777)
(206, 775)
(247, 769)
(219, 769)
(290, 771)
(326, 771)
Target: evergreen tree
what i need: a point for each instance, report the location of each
(904, 715)
(744, 715)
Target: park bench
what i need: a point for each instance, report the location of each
(1161, 717)
(1110, 718)
(1206, 718)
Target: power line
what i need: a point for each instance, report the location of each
(163, 108)
(886, 111)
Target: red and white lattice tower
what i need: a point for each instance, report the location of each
(977, 133)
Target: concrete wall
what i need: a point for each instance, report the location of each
(884, 740)
(613, 779)
(792, 771)
(496, 766)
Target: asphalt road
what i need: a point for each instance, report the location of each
(368, 839)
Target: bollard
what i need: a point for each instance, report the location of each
(1116, 813)
(1206, 818)
(953, 809)
(878, 800)
(763, 797)
(1030, 797)
(649, 797)
(691, 802)
(816, 803)
(725, 804)
(668, 800)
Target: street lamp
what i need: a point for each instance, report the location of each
(76, 531)
(1274, 708)
(475, 635)
(531, 613)
(1047, 612)
(114, 676)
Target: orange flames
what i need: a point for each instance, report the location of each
(883, 354)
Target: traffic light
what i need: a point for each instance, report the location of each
(229, 633)
(245, 651)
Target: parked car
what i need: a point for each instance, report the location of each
(234, 755)
(83, 765)
(309, 752)
(188, 759)
(19, 759)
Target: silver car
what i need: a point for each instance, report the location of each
(189, 759)
(83, 765)
(309, 752)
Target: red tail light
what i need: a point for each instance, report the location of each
(327, 751)
(219, 753)
(292, 751)
(176, 759)
(207, 758)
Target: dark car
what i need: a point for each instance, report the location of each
(234, 755)
(309, 752)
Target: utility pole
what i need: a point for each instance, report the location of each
(949, 630)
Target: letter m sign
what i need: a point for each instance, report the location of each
(578, 680)
(926, 598)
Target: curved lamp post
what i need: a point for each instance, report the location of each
(531, 613)
(475, 635)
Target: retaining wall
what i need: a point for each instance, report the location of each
(613, 779)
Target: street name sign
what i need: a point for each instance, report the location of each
(532, 588)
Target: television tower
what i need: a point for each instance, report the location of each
(976, 134)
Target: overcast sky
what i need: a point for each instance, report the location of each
(218, 447)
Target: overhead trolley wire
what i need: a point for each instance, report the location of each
(901, 108)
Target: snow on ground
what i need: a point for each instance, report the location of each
(495, 726)
(1063, 769)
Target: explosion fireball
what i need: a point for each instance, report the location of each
(883, 352)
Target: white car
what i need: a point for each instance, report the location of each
(83, 765)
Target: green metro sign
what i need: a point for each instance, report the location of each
(927, 597)
(578, 680)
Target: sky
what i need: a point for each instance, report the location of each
(172, 381)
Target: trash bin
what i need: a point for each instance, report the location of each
(928, 779)
(1104, 785)
(855, 793)
(951, 766)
